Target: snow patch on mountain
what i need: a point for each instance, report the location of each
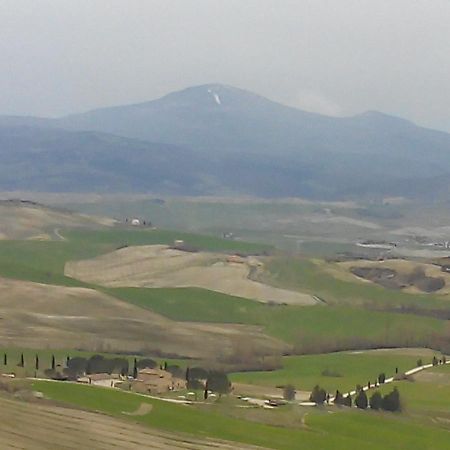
(216, 97)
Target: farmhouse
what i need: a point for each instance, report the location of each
(101, 379)
(157, 381)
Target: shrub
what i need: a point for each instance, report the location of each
(289, 392)
(361, 400)
(318, 395)
(391, 401)
(376, 401)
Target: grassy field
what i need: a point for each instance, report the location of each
(340, 431)
(308, 276)
(308, 328)
(345, 369)
(43, 261)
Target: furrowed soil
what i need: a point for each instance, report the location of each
(25, 425)
(37, 315)
(160, 266)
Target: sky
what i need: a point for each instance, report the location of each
(335, 57)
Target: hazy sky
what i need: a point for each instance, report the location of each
(336, 57)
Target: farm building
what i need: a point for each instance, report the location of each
(157, 381)
(101, 379)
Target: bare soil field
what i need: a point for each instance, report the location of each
(44, 316)
(160, 266)
(27, 220)
(409, 276)
(43, 426)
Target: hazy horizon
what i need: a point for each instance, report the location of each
(332, 57)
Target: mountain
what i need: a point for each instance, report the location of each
(56, 160)
(219, 139)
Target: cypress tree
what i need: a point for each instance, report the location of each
(37, 362)
(135, 371)
(361, 400)
(187, 374)
(53, 362)
(5, 359)
(22, 361)
(376, 401)
(67, 361)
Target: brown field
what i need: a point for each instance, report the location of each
(25, 220)
(43, 426)
(161, 266)
(43, 316)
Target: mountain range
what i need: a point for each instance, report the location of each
(216, 139)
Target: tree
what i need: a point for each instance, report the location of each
(37, 362)
(5, 359)
(391, 401)
(381, 378)
(186, 376)
(289, 392)
(146, 363)
(76, 366)
(67, 361)
(376, 401)
(419, 363)
(53, 362)
(318, 395)
(135, 370)
(435, 361)
(22, 361)
(347, 401)
(218, 382)
(361, 400)
(205, 393)
(338, 398)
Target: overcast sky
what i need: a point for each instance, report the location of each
(336, 57)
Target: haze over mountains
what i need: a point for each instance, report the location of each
(216, 139)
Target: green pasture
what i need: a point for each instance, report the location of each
(311, 329)
(307, 276)
(342, 370)
(43, 261)
(339, 431)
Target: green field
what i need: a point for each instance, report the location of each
(340, 431)
(43, 261)
(428, 395)
(345, 369)
(310, 329)
(307, 276)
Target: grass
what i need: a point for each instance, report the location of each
(43, 261)
(353, 368)
(308, 328)
(308, 276)
(341, 431)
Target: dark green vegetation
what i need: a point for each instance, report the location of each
(58, 358)
(350, 429)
